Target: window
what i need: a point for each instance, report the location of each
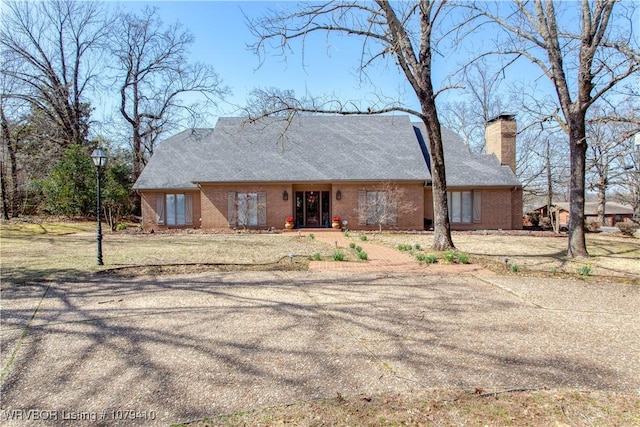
(464, 206)
(377, 208)
(174, 209)
(247, 209)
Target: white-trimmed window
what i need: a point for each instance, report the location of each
(464, 206)
(174, 209)
(247, 209)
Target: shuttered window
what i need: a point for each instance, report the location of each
(376, 208)
(247, 209)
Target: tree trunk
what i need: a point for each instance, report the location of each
(441, 227)
(602, 203)
(578, 153)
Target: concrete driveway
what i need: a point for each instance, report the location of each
(159, 350)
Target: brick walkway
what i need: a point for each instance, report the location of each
(386, 259)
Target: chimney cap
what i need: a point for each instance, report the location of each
(503, 116)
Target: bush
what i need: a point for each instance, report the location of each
(463, 258)
(627, 228)
(363, 255)
(515, 268)
(585, 270)
(352, 245)
(592, 225)
(363, 237)
(431, 259)
(338, 256)
(359, 248)
(449, 256)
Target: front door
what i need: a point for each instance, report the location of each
(313, 209)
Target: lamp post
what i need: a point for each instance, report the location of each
(100, 160)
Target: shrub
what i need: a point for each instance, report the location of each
(359, 248)
(421, 257)
(121, 226)
(450, 255)
(316, 256)
(346, 234)
(627, 228)
(463, 258)
(363, 255)
(363, 237)
(312, 236)
(431, 259)
(352, 245)
(585, 270)
(514, 268)
(417, 246)
(403, 247)
(592, 225)
(338, 256)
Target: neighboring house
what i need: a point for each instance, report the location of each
(613, 213)
(314, 168)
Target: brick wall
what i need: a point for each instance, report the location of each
(148, 200)
(501, 209)
(215, 203)
(500, 137)
(410, 212)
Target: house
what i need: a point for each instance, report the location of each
(613, 213)
(314, 168)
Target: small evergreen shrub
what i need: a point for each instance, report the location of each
(338, 256)
(312, 236)
(514, 268)
(363, 237)
(421, 257)
(352, 245)
(431, 259)
(363, 255)
(359, 248)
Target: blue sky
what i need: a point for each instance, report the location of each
(221, 38)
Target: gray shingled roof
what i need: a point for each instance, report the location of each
(311, 149)
(466, 169)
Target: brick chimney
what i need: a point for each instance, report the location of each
(500, 137)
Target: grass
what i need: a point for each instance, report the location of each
(448, 407)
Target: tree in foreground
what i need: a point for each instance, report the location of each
(403, 31)
(585, 52)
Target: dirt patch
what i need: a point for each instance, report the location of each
(449, 407)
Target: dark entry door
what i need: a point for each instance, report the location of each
(312, 209)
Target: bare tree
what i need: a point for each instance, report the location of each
(56, 45)
(584, 59)
(383, 205)
(154, 75)
(404, 32)
(481, 102)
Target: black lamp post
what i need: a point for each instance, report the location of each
(100, 160)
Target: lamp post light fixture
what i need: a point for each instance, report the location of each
(100, 160)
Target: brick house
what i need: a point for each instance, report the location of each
(319, 167)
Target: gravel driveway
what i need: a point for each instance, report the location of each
(158, 350)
